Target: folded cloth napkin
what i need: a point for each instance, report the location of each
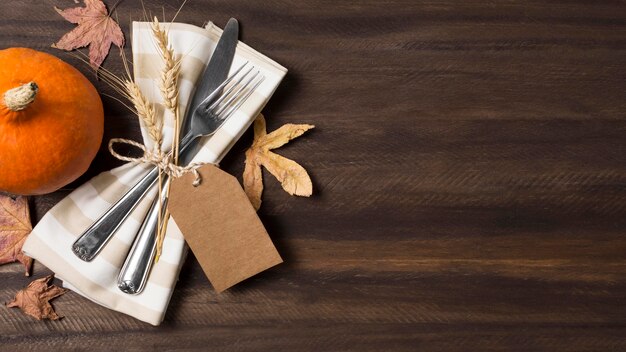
(51, 239)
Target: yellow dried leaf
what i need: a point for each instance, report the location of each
(282, 135)
(292, 177)
(253, 180)
(260, 128)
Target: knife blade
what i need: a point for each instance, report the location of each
(136, 269)
(216, 70)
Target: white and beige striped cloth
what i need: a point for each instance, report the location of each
(51, 239)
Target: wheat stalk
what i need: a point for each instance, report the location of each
(141, 106)
(168, 86)
(146, 111)
(148, 115)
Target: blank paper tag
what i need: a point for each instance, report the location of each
(221, 227)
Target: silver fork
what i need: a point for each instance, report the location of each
(135, 271)
(91, 242)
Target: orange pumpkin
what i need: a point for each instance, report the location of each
(51, 122)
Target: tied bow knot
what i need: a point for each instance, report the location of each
(158, 158)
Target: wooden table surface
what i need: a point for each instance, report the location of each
(469, 171)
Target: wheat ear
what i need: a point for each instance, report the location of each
(141, 107)
(171, 70)
(145, 111)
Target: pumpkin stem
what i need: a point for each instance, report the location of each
(19, 98)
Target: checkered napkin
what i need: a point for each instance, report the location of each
(51, 239)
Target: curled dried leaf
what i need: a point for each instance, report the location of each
(293, 177)
(35, 299)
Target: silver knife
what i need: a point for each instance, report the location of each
(95, 237)
(136, 269)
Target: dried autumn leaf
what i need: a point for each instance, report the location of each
(35, 299)
(95, 29)
(293, 177)
(14, 228)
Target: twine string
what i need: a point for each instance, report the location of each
(158, 158)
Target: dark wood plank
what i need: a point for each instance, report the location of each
(470, 182)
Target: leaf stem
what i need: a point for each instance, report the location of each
(114, 6)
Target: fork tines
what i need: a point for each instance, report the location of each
(240, 87)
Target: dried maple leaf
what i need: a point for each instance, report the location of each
(292, 176)
(95, 29)
(14, 228)
(35, 299)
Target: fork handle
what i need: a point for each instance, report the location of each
(134, 274)
(136, 269)
(96, 236)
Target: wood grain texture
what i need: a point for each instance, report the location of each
(469, 172)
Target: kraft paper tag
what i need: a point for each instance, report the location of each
(221, 227)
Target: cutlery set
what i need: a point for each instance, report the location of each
(217, 97)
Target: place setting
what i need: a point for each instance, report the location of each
(120, 238)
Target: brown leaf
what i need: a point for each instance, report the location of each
(95, 29)
(35, 299)
(14, 228)
(293, 177)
